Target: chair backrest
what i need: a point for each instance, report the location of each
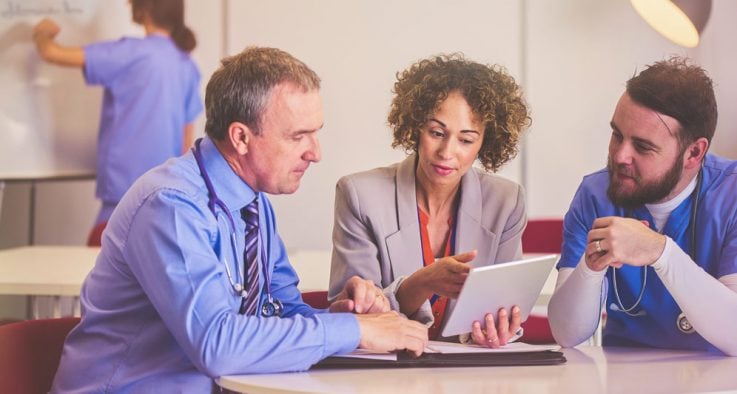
(543, 236)
(316, 299)
(537, 330)
(95, 236)
(30, 352)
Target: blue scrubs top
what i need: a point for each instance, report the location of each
(158, 311)
(151, 93)
(715, 251)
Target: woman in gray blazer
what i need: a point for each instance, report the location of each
(412, 227)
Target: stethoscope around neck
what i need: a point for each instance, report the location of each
(272, 307)
(681, 321)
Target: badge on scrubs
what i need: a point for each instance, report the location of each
(683, 324)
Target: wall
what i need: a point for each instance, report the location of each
(357, 48)
(572, 57)
(580, 53)
(718, 54)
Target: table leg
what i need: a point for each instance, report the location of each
(76, 307)
(56, 313)
(33, 307)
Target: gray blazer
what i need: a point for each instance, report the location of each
(376, 233)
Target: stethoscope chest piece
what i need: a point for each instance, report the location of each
(272, 308)
(683, 324)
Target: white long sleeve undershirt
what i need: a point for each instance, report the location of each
(709, 304)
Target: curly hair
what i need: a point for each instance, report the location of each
(493, 95)
(683, 91)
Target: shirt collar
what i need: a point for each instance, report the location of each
(665, 208)
(229, 187)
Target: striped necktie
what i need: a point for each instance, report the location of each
(250, 258)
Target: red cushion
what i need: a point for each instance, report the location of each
(316, 299)
(95, 236)
(537, 330)
(543, 236)
(30, 352)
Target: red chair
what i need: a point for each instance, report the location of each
(541, 236)
(316, 299)
(30, 352)
(95, 236)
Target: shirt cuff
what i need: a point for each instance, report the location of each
(588, 273)
(423, 313)
(390, 292)
(662, 262)
(342, 333)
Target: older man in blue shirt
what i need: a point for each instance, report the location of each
(169, 305)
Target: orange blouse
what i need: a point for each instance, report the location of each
(438, 307)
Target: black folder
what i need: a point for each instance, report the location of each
(432, 360)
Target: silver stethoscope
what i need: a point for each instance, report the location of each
(681, 321)
(272, 306)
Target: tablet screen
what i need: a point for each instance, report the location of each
(503, 285)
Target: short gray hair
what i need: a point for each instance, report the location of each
(239, 90)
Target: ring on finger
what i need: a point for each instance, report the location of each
(598, 246)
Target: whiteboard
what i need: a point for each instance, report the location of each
(48, 116)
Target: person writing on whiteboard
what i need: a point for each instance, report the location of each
(413, 227)
(151, 93)
(193, 281)
(653, 237)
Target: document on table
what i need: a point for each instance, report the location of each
(451, 348)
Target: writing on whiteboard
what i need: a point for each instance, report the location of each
(13, 9)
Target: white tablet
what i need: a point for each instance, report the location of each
(503, 285)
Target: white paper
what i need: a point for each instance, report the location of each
(369, 354)
(514, 347)
(449, 348)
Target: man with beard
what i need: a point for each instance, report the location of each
(653, 238)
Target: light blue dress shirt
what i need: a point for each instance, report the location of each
(151, 93)
(158, 311)
(715, 252)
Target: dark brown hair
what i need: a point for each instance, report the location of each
(169, 15)
(680, 90)
(493, 95)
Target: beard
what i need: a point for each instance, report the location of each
(645, 192)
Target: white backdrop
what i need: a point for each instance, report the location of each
(572, 56)
(48, 117)
(357, 47)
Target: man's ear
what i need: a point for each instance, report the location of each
(695, 152)
(239, 135)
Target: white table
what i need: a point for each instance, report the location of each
(588, 370)
(45, 271)
(60, 271)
